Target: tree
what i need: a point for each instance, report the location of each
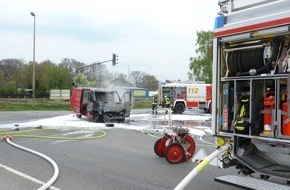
(119, 79)
(11, 73)
(71, 64)
(201, 65)
(136, 77)
(81, 80)
(150, 82)
(51, 76)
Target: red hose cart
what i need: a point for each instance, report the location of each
(176, 145)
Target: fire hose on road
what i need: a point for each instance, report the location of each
(201, 166)
(56, 169)
(8, 136)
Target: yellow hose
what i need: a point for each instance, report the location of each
(23, 133)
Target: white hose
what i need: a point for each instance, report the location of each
(56, 170)
(201, 166)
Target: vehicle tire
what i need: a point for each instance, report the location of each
(79, 116)
(179, 107)
(189, 146)
(160, 146)
(208, 110)
(174, 153)
(97, 118)
(106, 119)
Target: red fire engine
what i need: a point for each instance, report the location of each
(251, 77)
(186, 95)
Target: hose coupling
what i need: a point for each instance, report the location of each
(7, 137)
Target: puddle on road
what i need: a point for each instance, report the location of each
(187, 123)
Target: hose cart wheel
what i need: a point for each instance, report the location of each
(189, 146)
(174, 153)
(160, 145)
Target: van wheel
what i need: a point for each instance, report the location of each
(179, 107)
(79, 116)
(96, 118)
(106, 119)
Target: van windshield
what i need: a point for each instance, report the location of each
(107, 97)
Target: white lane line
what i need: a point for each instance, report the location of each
(25, 176)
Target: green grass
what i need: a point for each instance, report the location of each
(37, 105)
(10, 104)
(142, 103)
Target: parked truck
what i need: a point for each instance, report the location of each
(251, 91)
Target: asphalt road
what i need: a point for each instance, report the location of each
(123, 159)
(7, 117)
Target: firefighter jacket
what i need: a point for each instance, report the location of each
(154, 100)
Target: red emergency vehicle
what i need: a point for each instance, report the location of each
(251, 78)
(186, 95)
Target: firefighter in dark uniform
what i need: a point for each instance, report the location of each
(154, 104)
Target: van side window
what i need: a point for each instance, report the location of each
(85, 96)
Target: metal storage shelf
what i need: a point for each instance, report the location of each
(256, 87)
(257, 77)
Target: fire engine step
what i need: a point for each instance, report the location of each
(257, 159)
(250, 183)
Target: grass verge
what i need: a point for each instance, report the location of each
(9, 104)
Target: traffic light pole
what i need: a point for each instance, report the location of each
(114, 62)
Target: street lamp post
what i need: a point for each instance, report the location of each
(33, 72)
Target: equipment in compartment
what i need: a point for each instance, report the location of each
(258, 57)
(286, 63)
(283, 60)
(241, 123)
(228, 102)
(269, 103)
(285, 126)
(285, 100)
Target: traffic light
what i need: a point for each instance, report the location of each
(115, 59)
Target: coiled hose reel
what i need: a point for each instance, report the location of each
(251, 60)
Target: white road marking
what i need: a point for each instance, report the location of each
(26, 176)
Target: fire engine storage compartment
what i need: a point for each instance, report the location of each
(262, 141)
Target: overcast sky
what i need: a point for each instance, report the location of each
(154, 36)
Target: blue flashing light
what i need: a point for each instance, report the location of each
(219, 21)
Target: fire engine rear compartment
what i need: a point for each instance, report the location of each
(252, 102)
(258, 146)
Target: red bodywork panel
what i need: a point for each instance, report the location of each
(76, 100)
(208, 93)
(251, 28)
